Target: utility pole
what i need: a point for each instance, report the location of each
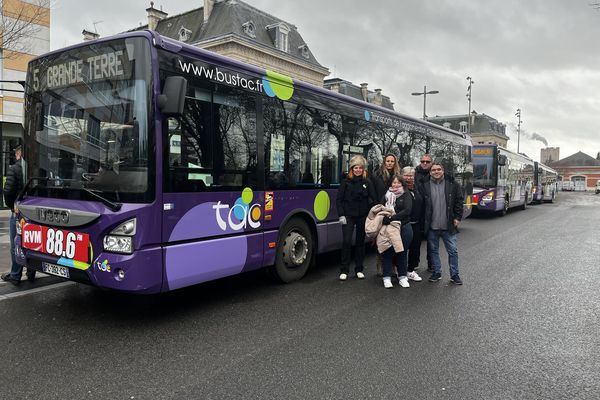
(425, 93)
(471, 82)
(518, 114)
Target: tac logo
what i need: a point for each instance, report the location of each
(240, 215)
(278, 85)
(103, 266)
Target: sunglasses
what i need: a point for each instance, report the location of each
(425, 162)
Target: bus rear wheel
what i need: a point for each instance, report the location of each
(295, 250)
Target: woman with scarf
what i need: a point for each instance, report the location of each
(398, 199)
(382, 180)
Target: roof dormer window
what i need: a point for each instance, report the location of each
(304, 51)
(280, 33)
(184, 34)
(249, 29)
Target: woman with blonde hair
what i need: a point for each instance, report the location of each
(354, 199)
(382, 180)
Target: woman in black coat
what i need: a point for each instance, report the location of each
(354, 199)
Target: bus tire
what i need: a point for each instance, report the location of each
(524, 206)
(295, 249)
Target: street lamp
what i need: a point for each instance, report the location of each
(424, 93)
(471, 82)
(518, 114)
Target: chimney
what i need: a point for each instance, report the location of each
(154, 16)
(378, 97)
(364, 91)
(208, 7)
(87, 35)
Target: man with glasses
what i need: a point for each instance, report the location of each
(421, 174)
(443, 199)
(422, 170)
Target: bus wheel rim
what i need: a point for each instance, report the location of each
(297, 249)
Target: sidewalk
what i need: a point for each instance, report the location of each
(5, 261)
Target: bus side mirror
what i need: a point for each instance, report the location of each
(172, 99)
(501, 159)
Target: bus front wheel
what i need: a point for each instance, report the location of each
(504, 207)
(294, 251)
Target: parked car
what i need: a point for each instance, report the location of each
(597, 187)
(568, 186)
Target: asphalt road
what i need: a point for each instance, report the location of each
(523, 326)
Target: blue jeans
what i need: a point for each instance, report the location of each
(433, 241)
(16, 271)
(406, 233)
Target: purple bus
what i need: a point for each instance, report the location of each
(501, 179)
(544, 183)
(154, 165)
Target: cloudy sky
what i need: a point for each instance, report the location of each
(537, 55)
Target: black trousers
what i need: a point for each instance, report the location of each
(359, 254)
(414, 252)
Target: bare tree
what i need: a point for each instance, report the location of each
(19, 24)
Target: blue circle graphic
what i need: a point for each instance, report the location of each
(240, 209)
(367, 116)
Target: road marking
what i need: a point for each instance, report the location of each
(35, 290)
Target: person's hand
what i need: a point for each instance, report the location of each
(386, 220)
(456, 222)
(343, 220)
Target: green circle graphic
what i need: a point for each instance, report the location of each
(322, 205)
(282, 85)
(247, 195)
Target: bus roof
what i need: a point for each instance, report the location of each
(175, 46)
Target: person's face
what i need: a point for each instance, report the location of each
(426, 163)
(390, 163)
(437, 171)
(357, 170)
(396, 184)
(410, 179)
(18, 154)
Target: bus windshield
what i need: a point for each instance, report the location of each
(484, 168)
(86, 125)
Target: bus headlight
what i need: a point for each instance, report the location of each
(120, 239)
(489, 196)
(118, 244)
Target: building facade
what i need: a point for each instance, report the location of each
(549, 154)
(579, 168)
(238, 30)
(361, 93)
(14, 57)
(484, 129)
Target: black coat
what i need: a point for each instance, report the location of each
(381, 184)
(355, 197)
(14, 184)
(420, 174)
(454, 202)
(402, 207)
(418, 210)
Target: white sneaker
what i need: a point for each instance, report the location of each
(343, 277)
(403, 281)
(413, 276)
(387, 282)
(360, 275)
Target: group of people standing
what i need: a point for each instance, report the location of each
(399, 206)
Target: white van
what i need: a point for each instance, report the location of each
(568, 186)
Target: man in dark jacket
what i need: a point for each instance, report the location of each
(15, 179)
(443, 199)
(421, 174)
(422, 170)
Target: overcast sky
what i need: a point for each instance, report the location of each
(537, 55)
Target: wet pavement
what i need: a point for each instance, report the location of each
(523, 326)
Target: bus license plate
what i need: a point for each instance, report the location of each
(57, 270)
